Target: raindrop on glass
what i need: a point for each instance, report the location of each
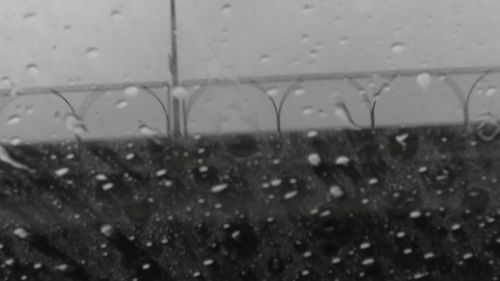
(304, 38)
(290, 194)
(397, 47)
(121, 104)
(116, 15)
(265, 58)
(208, 262)
(14, 119)
(226, 9)
(33, 69)
(61, 172)
(131, 91)
(145, 130)
(336, 191)
(307, 8)
(6, 82)
(107, 230)
(92, 53)
(307, 110)
(314, 159)
(342, 160)
(75, 124)
(15, 141)
(180, 92)
(30, 17)
(272, 92)
(343, 41)
(21, 233)
(218, 188)
(108, 186)
(299, 92)
(491, 91)
(424, 80)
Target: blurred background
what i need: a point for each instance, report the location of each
(59, 43)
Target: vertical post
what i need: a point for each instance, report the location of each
(174, 70)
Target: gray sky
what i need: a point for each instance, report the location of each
(57, 42)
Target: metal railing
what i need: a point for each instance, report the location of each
(177, 108)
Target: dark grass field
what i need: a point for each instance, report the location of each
(390, 204)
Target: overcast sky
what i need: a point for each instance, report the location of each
(58, 42)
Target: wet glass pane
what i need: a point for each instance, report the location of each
(249, 140)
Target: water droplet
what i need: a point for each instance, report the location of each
(342, 160)
(336, 191)
(397, 48)
(343, 41)
(30, 17)
(93, 53)
(62, 171)
(314, 159)
(487, 127)
(131, 91)
(272, 92)
(145, 130)
(265, 58)
(364, 245)
(290, 194)
(227, 9)
(219, 188)
(107, 230)
(116, 15)
(21, 233)
(341, 110)
(146, 266)
(467, 256)
(299, 92)
(29, 110)
(7, 82)
(75, 124)
(415, 214)
(307, 110)
(15, 141)
(420, 275)
(336, 260)
(304, 38)
(121, 104)
(101, 177)
(491, 91)
(208, 262)
(161, 172)
(14, 119)
(428, 256)
(307, 8)
(61, 267)
(424, 80)
(108, 186)
(312, 134)
(401, 139)
(33, 69)
(180, 92)
(368, 261)
(5, 157)
(276, 182)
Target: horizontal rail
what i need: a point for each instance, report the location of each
(250, 79)
(342, 75)
(84, 88)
